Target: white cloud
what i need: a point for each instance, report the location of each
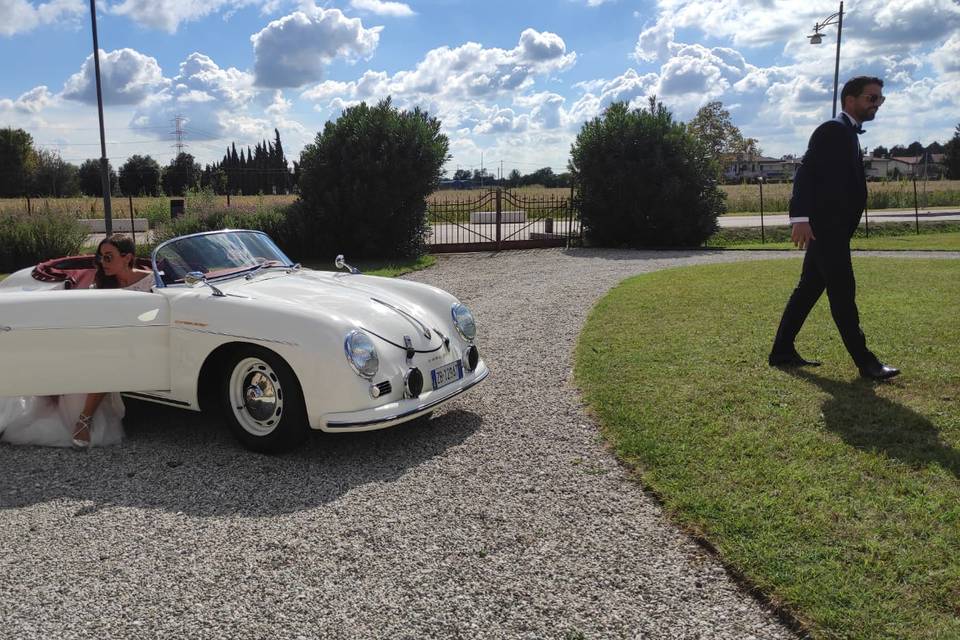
(631, 87)
(502, 121)
(293, 51)
(380, 7)
(31, 102)
(541, 46)
(208, 97)
(773, 22)
(20, 16)
(546, 109)
(946, 58)
(126, 76)
(167, 15)
(653, 43)
(448, 81)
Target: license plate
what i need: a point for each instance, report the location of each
(446, 374)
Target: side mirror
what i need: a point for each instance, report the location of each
(340, 263)
(194, 279)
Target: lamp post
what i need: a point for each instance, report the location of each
(104, 163)
(816, 38)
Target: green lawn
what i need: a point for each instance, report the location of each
(838, 498)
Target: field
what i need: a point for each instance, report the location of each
(88, 207)
(461, 195)
(745, 198)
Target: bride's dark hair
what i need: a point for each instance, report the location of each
(125, 246)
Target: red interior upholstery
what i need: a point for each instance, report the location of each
(75, 272)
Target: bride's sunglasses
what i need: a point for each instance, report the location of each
(106, 259)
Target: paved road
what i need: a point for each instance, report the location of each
(886, 215)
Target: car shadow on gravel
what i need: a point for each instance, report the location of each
(186, 462)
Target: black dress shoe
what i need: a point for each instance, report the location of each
(790, 360)
(879, 371)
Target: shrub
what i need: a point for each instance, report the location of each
(644, 180)
(157, 212)
(365, 179)
(26, 239)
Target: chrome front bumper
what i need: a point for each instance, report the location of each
(395, 413)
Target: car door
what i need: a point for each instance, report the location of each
(83, 341)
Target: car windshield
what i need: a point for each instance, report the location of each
(216, 255)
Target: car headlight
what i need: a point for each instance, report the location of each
(361, 353)
(463, 321)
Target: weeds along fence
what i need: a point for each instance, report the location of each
(29, 238)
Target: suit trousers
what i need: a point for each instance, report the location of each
(826, 266)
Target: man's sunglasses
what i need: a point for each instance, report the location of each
(874, 98)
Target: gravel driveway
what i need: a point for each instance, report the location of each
(503, 517)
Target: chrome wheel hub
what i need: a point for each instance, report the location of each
(256, 396)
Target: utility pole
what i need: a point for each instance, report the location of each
(104, 163)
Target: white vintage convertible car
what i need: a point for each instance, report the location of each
(281, 348)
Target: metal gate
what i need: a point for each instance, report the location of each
(500, 219)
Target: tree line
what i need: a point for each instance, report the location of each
(26, 170)
(465, 179)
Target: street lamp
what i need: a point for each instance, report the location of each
(104, 163)
(816, 38)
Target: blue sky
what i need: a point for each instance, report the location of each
(512, 82)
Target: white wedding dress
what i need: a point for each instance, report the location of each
(48, 421)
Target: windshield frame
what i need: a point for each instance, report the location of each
(238, 272)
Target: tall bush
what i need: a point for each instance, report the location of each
(365, 179)
(26, 239)
(644, 180)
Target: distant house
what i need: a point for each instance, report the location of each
(739, 169)
(926, 166)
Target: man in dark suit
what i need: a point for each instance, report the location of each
(829, 194)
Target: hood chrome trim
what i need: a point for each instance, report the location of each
(423, 327)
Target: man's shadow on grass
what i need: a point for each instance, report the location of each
(872, 423)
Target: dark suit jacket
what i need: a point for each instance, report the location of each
(830, 187)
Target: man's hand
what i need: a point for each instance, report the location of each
(801, 234)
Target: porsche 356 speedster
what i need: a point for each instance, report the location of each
(231, 320)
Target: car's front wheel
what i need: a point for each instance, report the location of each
(262, 401)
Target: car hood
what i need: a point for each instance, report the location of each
(352, 301)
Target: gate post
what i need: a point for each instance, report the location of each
(499, 212)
